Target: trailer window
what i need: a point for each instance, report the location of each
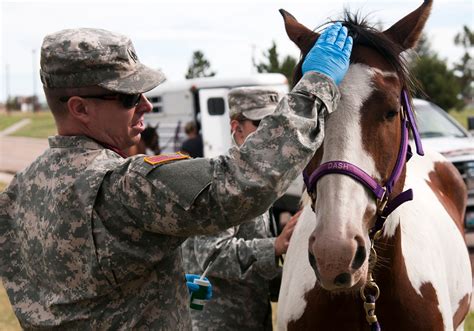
(157, 104)
(216, 106)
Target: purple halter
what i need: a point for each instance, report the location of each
(384, 208)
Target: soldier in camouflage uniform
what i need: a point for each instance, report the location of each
(89, 239)
(242, 259)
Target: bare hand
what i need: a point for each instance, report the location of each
(283, 240)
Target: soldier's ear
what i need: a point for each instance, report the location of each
(79, 109)
(234, 126)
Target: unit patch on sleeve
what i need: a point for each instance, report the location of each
(164, 158)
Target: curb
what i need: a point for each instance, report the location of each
(15, 127)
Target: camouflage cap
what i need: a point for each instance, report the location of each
(94, 57)
(252, 102)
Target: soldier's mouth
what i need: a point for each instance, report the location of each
(140, 125)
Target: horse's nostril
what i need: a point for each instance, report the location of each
(312, 262)
(342, 279)
(359, 258)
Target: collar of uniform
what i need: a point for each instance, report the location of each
(73, 142)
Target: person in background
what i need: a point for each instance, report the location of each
(193, 144)
(242, 260)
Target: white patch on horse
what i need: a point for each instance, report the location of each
(432, 246)
(298, 276)
(343, 142)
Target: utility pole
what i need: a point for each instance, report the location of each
(33, 101)
(253, 68)
(7, 87)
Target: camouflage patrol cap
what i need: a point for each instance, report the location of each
(252, 102)
(94, 57)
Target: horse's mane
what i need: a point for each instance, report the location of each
(367, 35)
(148, 134)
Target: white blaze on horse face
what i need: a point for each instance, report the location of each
(343, 142)
(342, 201)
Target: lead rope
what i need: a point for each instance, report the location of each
(370, 291)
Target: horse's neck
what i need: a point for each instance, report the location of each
(139, 148)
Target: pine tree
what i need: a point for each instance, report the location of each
(435, 81)
(465, 68)
(199, 67)
(273, 64)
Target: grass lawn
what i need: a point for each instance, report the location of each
(461, 116)
(10, 119)
(469, 323)
(41, 126)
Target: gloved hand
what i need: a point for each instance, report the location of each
(330, 55)
(192, 287)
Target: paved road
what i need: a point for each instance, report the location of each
(18, 152)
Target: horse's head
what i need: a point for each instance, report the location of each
(365, 131)
(151, 138)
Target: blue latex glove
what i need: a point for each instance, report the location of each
(194, 287)
(330, 55)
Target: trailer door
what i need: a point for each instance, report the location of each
(215, 126)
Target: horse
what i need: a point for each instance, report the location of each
(380, 241)
(149, 141)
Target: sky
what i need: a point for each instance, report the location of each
(229, 33)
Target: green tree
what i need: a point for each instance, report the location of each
(272, 63)
(435, 81)
(423, 47)
(199, 67)
(465, 68)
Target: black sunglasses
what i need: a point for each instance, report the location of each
(243, 119)
(127, 100)
(256, 123)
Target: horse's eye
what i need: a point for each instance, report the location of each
(391, 114)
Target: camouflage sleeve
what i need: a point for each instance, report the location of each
(8, 248)
(206, 196)
(236, 258)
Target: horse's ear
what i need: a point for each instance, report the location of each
(303, 37)
(407, 31)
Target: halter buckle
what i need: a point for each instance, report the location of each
(382, 202)
(403, 112)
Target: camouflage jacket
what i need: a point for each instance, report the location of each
(242, 261)
(90, 240)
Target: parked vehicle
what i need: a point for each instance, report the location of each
(442, 133)
(204, 100)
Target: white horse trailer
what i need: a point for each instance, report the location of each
(204, 100)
